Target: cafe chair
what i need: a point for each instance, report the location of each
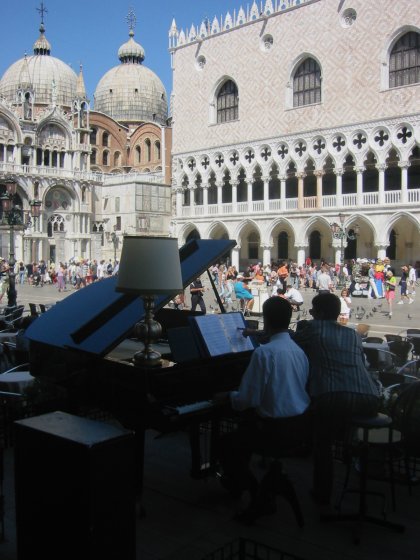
(11, 319)
(33, 309)
(402, 350)
(393, 337)
(405, 413)
(380, 360)
(376, 339)
(393, 383)
(413, 335)
(362, 440)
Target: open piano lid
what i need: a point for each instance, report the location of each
(95, 319)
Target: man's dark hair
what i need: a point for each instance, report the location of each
(277, 313)
(327, 306)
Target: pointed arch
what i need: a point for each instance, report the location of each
(305, 75)
(224, 101)
(217, 230)
(404, 60)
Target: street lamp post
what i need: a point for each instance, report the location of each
(114, 239)
(13, 217)
(339, 231)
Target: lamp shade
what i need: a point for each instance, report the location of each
(149, 266)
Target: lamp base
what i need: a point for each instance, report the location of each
(148, 331)
(147, 358)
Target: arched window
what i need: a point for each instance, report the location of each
(404, 62)
(105, 139)
(93, 157)
(307, 83)
(227, 102)
(157, 150)
(105, 158)
(93, 135)
(117, 158)
(138, 154)
(148, 149)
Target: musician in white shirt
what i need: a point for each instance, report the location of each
(273, 394)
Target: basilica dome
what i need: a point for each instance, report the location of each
(131, 92)
(42, 73)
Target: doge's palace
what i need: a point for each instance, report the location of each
(287, 114)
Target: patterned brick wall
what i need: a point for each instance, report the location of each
(351, 60)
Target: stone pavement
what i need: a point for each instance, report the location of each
(372, 312)
(188, 519)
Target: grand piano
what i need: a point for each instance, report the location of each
(71, 347)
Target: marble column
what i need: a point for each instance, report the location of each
(404, 165)
(234, 196)
(249, 193)
(18, 154)
(359, 174)
(319, 174)
(235, 256)
(206, 199)
(381, 251)
(266, 180)
(282, 192)
(219, 184)
(301, 254)
(300, 177)
(381, 184)
(178, 194)
(339, 187)
(267, 254)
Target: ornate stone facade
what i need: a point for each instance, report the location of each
(321, 126)
(96, 178)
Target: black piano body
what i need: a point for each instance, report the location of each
(71, 348)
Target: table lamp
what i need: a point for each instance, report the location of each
(149, 267)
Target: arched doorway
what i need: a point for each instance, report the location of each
(350, 252)
(391, 250)
(283, 246)
(315, 245)
(192, 235)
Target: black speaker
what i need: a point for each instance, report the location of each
(75, 489)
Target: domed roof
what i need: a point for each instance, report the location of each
(131, 49)
(42, 73)
(131, 92)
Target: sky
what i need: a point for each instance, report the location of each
(90, 32)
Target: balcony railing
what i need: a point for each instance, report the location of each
(349, 201)
(106, 178)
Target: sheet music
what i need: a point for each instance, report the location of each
(223, 333)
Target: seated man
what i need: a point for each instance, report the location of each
(243, 292)
(273, 391)
(294, 297)
(339, 384)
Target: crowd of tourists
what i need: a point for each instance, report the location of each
(75, 274)
(287, 279)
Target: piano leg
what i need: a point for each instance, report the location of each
(204, 455)
(139, 460)
(195, 444)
